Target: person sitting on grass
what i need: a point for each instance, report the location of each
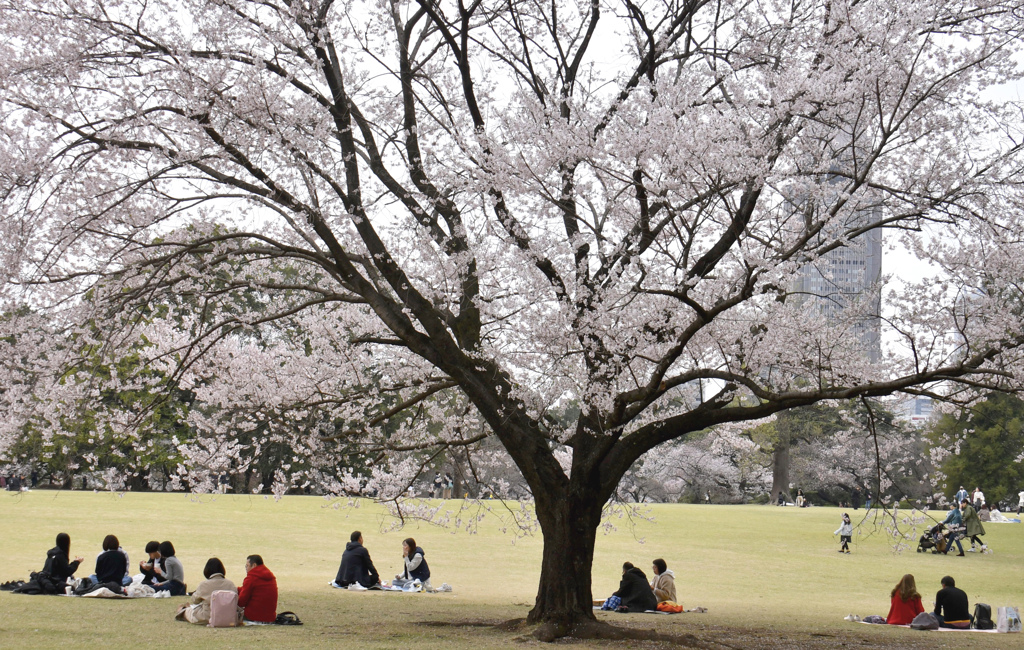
(258, 595)
(356, 565)
(951, 607)
(664, 584)
(170, 571)
(197, 611)
(147, 567)
(111, 564)
(906, 602)
(57, 567)
(634, 591)
(415, 564)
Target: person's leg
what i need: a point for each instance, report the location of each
(956, 540)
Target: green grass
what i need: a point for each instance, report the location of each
(770, 576)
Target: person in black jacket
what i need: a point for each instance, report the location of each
(57, 565)
(111, 564)
(149, 566)
(635, 591)
(951, 606)
(356, 565)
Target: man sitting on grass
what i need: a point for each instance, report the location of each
(356, 565)
(258, 594)
(951, 606)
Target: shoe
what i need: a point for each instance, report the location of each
(841, 551)
(335, 585)
(972, 550)
(847, 552)
(960, 554)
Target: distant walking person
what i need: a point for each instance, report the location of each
(855, 498)
(449, 483)
(1020, 501)
(978, 498)
(438, 485)
(867, 500)
(845, 532)
(961, 494)
(955, 523)
(973, 526)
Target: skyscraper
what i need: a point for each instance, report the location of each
(844, 282)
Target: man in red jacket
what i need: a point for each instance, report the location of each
(258, 594)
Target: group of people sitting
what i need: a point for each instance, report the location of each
(951, 605)
(357, 570)
(635, 594)
(163, 571)
(257, 597)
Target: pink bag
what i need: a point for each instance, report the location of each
(224, 609)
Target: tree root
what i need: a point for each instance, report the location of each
(601, 631)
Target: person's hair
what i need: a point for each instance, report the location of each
(166, 549)
(948, 581)
(411, 543)
(64, 542)
(255, 560)
(110, 543)
(660, 563)
(967, 501)
(846, 516)
(626, 566)
(152, 547)
(906, 588)
(213, 565)
(354, 537)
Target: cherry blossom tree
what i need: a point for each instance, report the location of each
(475, 213)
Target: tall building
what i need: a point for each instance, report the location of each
(847, 277)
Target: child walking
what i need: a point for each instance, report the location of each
(845, 532)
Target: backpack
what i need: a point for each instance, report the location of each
(925, 621)
(287, 618)
(982, 618)
(223, 608)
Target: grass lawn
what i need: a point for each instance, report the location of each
(770, 577)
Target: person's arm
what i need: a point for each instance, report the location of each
(245, 591)
(414, 563)
(918, 606)
(939, 599)
(199, 595)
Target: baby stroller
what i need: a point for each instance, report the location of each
(934, 540)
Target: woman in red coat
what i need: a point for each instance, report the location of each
(906, 602)
(258, 594)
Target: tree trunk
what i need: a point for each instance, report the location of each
(569, 526)
(780, 468)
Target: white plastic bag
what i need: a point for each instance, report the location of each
(1007, 619)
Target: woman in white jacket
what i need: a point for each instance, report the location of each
(664, 583)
